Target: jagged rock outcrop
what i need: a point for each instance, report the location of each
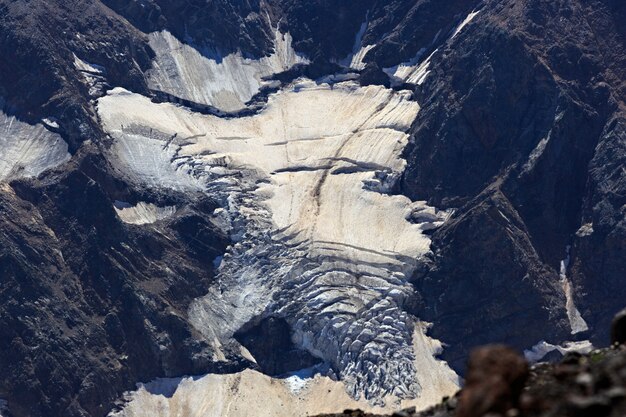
(521, 111)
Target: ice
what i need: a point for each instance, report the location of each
(298, 380)
(142, 213)
(250, 393)
(244, 394)
(205, 76)
(28, 150)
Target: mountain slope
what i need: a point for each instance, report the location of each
(333, 175)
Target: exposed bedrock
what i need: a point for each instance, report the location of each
(90, 305)
(269, 341)
(520, 114)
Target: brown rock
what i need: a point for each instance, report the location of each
(495, 378)
(618, 328)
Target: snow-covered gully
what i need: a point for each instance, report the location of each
(318, 240)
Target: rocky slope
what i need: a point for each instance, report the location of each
(168, 207)
(517, 118)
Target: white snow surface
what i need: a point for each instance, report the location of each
(464, 23)
(28, 150)
(541, 349)
(412, 71)
(415, 71)
(303, 184)
(298, 380)
(142, 213)
(205, 76)
(585, 230)
(576, 321)
(250, 393)
(354, 60)
(93, 74)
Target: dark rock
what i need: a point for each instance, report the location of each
(95, 292)
(495, 378)
(596, 406)
(373, 74)
(270, 344)
(618, 328)
(516, 108)
(483, 303)
(522, 131)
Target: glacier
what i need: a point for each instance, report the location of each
(304, 186)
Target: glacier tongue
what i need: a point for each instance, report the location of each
(317, 240)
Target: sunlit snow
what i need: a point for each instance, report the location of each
(318, 240)
(577, 323)
(541, 349)
(207, 77)
(28, 150)
(142, 213)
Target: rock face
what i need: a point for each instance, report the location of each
(89, 304)
(192, 187)
(496, 376)
(518, 111)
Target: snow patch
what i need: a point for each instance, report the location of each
(298, 380)
(576, 321)
(585, 230)
(28, 150)
(412, 71)
(354, 60)
(541, 349)
(536, 153)
(464, 23)
(86, 67)
(93, 74)
(203, 75)
(50, 123)
(415, 71)
(142, 213)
